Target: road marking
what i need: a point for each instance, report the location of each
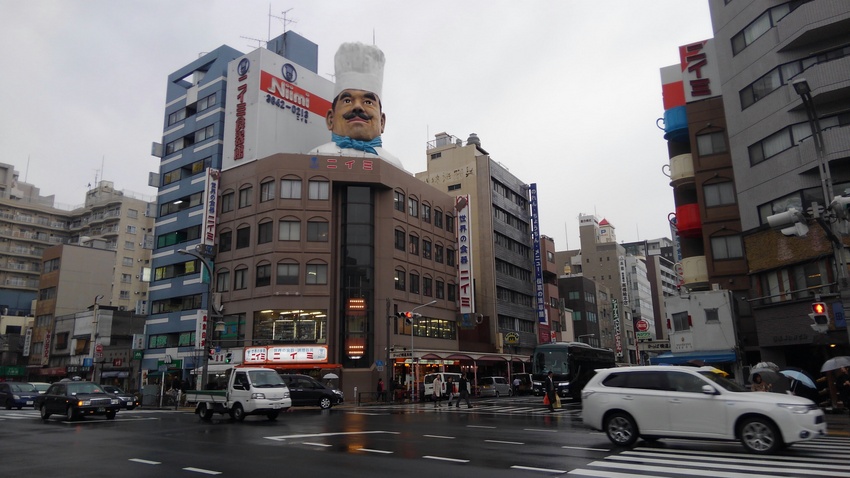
(481, 426)
(444, 458)
(313, 435)
(505, 442)
(201, 470)
(370, 450)
(585, 448)
(531, 468)
(540, 430)
(145, 462)
(439, 436)
(316, 444)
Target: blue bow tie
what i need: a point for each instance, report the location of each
(346, 142)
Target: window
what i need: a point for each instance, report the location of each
(413, 207)
(240, 279)
(719, 194)
(770, 146)
(453, 187)
(180, 204)
(681, 321)
(222, 281)
(450, 257)
(245, 196)
(426, 249)
(126, 262)
(287, 273)
(289, 230)
(290, 189)
(399, 280)
(205, 103)
(400, 237)
(267, 191)
(132, 213)
(204, 133)
(264, 275)
(712, 316)
(131, 229)
(225, 240)
(226, 202)
(129, 245)
(427, 287)
(265, 232)
(711, 143)
(727, 247)
(318, 190)
(126, 278)
(243, 237)
(438, 253)
(451, 292)
(413, 245)
(450, 223)
(762, 25)
(438, 218)
(414, 283)
(426, 213)
(317, 274)
(317, 231)
(186, 171)
(440, 291)
(398, 201)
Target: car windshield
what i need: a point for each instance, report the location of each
(266, 379)
(75, 388)
(723, 381)
(23, 387)
(112, 389)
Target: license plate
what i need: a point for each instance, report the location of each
(29, 402)
(101, 409)
(275, 405)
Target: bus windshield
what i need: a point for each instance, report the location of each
(554, 359)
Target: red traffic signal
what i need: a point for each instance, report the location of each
(819, 307)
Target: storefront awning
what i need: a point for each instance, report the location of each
(707, 356)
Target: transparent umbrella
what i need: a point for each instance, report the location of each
(835, 363)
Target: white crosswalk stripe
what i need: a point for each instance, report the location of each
(816, 459)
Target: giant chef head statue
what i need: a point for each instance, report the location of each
(356, 119)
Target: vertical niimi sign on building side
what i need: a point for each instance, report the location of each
(464, 247)
(210, 207)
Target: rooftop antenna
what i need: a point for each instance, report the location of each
(373, 38)
(283, 19)
(259, 42)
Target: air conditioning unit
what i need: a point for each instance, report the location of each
(121, 307)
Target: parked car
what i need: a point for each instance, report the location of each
(40, 386)
(17, 395)
(494, 387)
(305, 390)
(655, 402)
(128, 399)
(428, 382)
(77, 399)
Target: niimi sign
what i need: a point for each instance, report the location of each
(464, 248)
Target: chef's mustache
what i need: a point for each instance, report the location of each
(357, 114)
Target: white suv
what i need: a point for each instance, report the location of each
(662, 401)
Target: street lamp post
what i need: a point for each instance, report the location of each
(204, 351)
(801, 87)
(93, 339)
(414, 388)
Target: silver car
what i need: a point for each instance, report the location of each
(494, 387)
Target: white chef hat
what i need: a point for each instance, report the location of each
(358, 67)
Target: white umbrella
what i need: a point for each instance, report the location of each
(330, 376)
(768, 365)
(835, 363)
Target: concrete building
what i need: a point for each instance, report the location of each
(502, 247)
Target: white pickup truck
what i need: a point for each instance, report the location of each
(249, 391)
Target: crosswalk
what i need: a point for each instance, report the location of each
(492, 406)
(29, 413)
(817, 458)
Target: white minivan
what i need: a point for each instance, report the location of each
(429, 383)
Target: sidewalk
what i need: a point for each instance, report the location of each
(838, 424)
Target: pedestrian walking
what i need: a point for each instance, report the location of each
(438, 391)
(463, 392)
(517, 383)
(549, 387)
(382, 397)
(450, 390)
(842, 384)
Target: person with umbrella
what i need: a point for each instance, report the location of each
(759, 385)
(842, 383)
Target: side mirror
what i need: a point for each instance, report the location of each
(709, 390)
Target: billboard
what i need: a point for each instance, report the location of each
(273, 106)
(464, 248)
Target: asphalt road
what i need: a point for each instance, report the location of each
(513, 437)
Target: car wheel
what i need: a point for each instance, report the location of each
(325, 403)
(497, 394)
(70, 414)
(621, 429)
(759, 435)
(111, 415)
(44, 413)
(204, 412)
(9, 404)
(272, 416)
(238, 413)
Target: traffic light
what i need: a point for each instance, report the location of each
(228, 357)
(210, 354)
(840, 205)
(820, 320)
(791, 222)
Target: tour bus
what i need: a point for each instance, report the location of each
(572, 365)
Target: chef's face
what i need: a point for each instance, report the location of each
(356, 114)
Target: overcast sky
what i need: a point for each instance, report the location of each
(564, 94)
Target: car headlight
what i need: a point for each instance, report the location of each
(338, 392)
(258, 396)
(16, 397)
(797, 408)
(537, 384)
(285, 394)
(116, 401)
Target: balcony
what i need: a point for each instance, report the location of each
(694, 272)
(681, 169)
(676, 124)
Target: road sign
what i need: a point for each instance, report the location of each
(643, 335)
(642, 325)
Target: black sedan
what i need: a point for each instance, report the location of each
(128, 399)
(307, 391)
(77, 399)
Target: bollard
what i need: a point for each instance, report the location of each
(356, 398)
